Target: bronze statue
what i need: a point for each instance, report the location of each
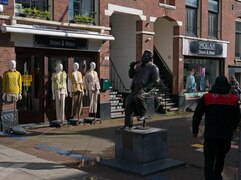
(144, 75)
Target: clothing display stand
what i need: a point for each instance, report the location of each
(96, 119)
(9, 120)
(92, 119)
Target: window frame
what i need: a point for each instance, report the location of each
(238, 43)
(213, 19)
(31, 4)
(72, 10)
(192, 8)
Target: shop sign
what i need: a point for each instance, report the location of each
(58, 42)
(204, 48)
(27, 79)
(5, 2)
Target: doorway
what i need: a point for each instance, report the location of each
(30, 107)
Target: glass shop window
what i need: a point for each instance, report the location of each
(200, 74)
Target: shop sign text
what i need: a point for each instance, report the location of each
(57, 42)
(206, 48)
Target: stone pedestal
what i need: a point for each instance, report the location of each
(141, 151)
(140, 145)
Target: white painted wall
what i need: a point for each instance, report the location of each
(123, 48)
(163, 40)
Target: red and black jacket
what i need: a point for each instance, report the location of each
(222, 115)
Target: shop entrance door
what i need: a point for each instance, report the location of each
(31, 106)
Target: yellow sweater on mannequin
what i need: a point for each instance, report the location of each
(12, 82)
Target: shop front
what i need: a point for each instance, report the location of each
(37, 54)
(203, 61)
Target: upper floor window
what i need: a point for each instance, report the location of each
(191, 17)
(40, 5)
(213, 10)
(82, 8)
(32, 8)
(238, 40)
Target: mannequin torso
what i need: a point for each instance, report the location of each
(12, 83)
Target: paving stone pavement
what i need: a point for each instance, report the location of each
(74, 152)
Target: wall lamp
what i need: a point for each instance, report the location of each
(148, 39)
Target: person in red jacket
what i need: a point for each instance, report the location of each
(222, 115)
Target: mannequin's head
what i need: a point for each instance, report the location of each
(59, 67)
(12, 65)
(92, 66)
(76, 66)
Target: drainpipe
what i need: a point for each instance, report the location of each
(239, 158)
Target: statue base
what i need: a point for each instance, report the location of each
(141, 151)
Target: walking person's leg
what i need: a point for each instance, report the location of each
(209, 159)
(223, 149)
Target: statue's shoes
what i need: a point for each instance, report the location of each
(142, 118)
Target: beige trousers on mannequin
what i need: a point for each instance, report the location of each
(77, 104)
(93, 101)
(60, 104)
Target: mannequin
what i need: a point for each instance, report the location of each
(93, 88)
(59, 90)
(76, 90)
(12, 83)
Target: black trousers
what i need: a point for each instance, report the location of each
(135, 103)
(214, 154)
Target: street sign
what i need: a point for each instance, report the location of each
(5, 2)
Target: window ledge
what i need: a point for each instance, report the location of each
(167, 6)
(14, 20)
(237, 60)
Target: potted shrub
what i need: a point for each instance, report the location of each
(36, 13)
(83, 19)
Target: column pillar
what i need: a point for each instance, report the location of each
(144, 37)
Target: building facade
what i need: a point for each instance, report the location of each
(40, 34)
(188, 37)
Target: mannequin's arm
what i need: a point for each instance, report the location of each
(52, 88)
(4, 96)
(20, 96)
(53, 95)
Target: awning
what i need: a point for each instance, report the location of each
(42, 30)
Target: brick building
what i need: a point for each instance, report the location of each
(186, 36)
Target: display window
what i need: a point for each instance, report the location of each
(199, 75)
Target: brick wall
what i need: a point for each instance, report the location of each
(60, 10)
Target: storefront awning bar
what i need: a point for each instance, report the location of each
(28, 29)
(16, 19)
